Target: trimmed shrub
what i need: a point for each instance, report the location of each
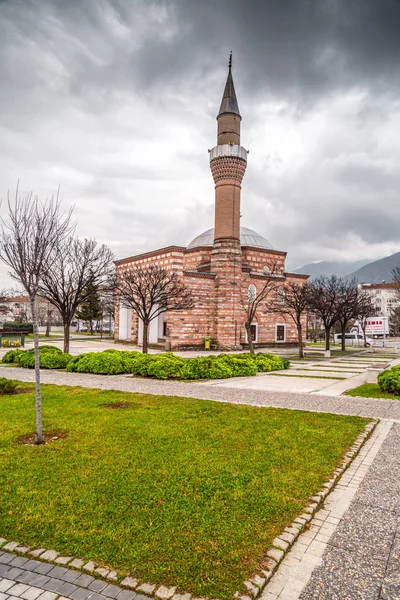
(50, 357)
(389, 380)
(7, 386)
(104, 363)
(11, 356)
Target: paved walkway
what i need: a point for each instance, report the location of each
(366, 407)
(352, 549)
(29, 579)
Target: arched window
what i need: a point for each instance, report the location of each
(252, 292)
(266, 270)
(280, 294)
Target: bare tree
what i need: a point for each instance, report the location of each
(151, 291)
(74, 264)
(293, 302)
(396, 279)
(252, 298)
(365, 309)
(347, 306)
(324, 298)
(27, 239)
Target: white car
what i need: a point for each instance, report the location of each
(353, 339)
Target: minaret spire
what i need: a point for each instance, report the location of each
(229, 103)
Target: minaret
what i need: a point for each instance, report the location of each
(228, 162)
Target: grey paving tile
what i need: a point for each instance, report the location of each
(66, 589)
(393, 565)
(3, 596)
(4, 569)
(26, 577)
(6, 558)
(52, 584)
(31, 593)
(366, 531)
(142, 597)
(126, 595)
(39, 581)
(345, 575)
(48, 596)
(80, 594)
(31, 565)
(18, 589)
(70, 576)
(84, 580)
(43, 568)
(57, 572)
(97, 585)
(12, 573)
(111, 591)
(96, 596)
(18, 561)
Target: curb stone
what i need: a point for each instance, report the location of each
(283, 542)
(254, 586)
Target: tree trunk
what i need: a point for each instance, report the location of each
(91, 327)
(300, 338)
(145, 347)
(66, 326)
(39, 428)
(364, 327)
(48, 324)
(327, 338)
(249, 338)
(343, 329)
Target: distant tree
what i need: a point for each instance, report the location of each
(294, 303)
(324, 301)
(255, 295)
(27, 240)
(396, 279)
(91, 309)
(395, 320)
(151, 291)
(365, 309)
(74, 264)
(347, 306)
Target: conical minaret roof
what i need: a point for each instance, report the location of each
(229, 102)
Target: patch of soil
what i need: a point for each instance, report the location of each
(120, 405)
(23, 391)
(48, 438)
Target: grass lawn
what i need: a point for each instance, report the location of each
(371, 390)
(173, 490)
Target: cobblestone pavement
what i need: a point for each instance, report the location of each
(352, 549)
(367, 407)
(28, 579)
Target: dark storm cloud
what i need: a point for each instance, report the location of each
(116, 101)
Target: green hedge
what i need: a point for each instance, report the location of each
(50, 358)
(18, 326)
(170, 366)
(389, 380)
(159, 366)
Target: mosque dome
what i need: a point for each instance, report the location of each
(248, 237)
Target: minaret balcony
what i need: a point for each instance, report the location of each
(228, 150)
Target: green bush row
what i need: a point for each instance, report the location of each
(50, 358)
(389, 380)
(159, 366)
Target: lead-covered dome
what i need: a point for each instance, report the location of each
(248, 237)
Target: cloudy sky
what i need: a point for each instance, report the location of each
(115, 101)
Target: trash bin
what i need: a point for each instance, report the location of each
(207, 343)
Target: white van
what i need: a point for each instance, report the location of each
(353, 339)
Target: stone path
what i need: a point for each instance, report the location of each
(352, 549)
(28, 579)
(367, 407)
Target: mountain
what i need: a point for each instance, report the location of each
(325, 267)
(377, 271)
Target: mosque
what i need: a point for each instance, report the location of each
(218, 264)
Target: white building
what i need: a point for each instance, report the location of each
(384, 296)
